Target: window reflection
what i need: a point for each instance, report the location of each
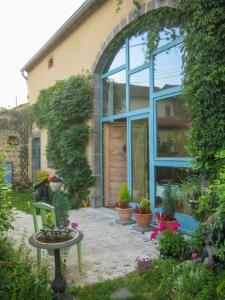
(168, 69)
(139, 90)
(137, 50)
(174, 177)
(114, 94)
(117, 60)
(173, 125)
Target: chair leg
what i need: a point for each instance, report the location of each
(79, 257)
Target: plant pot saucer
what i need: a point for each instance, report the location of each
(124, 223)
(142, 229)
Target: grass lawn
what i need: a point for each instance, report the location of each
(20, 200)
(165, 279)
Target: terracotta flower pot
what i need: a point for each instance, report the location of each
(125, 213)
(144, 220)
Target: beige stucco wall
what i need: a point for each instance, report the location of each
(79, 50)
(76, 53)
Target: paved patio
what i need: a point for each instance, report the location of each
(109, 250)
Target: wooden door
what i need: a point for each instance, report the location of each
(115, 160)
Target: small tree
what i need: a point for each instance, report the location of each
(124, 196)
(61, 204)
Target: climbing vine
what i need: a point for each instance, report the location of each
(64, 110)
(202, 26)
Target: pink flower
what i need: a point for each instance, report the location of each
(74, 225)
(163, 225)
(194, 256)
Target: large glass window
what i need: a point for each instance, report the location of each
(114, 94)
(173, 126)
(140, 159)
(174, 177)
(168, 69)
(137, 50)
(139, 90)
(117, 60)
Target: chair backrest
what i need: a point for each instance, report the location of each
(47, 215)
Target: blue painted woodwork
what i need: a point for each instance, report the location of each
(188, 224)
(36, 156)
(8, 178)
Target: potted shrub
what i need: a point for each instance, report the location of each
(166, 220)
(144, 213)
(168, 204)
(123, 208)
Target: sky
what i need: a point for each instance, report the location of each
(25, 25)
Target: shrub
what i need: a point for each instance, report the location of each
(171, 243)
(20, 277)
(64, 109)
(124, 196)
(42, 175)
(61, 204)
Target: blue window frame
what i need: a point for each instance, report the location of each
(152, 72)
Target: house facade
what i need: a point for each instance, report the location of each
(140, 124)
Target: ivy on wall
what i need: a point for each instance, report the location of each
(64, 110)
(202, 25)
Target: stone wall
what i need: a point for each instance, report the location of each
(11, 144)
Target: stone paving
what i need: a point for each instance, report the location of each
(109, 250)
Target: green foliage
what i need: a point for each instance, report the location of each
(213, 200)
(169, 201)
(20, 277)
(190, 189)
(204, 83)
(5, 211)
(61, 204)
(193, 281)
(171, 243)
(124, 196)
(197, 241)
(21, 200)
(164, 279)
(145, 206)
(64, 109)
(42, 175)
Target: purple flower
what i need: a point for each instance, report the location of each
(74, 225)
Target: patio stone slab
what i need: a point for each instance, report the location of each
(124, 223)
(142, 229)
(109, 250)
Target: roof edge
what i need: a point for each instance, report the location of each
(85, 9)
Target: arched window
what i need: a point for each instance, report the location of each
(141, 92)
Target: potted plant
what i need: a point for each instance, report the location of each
(123, 208)
(169, 202)
(144, 213)
(166, 219)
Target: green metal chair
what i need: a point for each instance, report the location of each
(48, 217)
